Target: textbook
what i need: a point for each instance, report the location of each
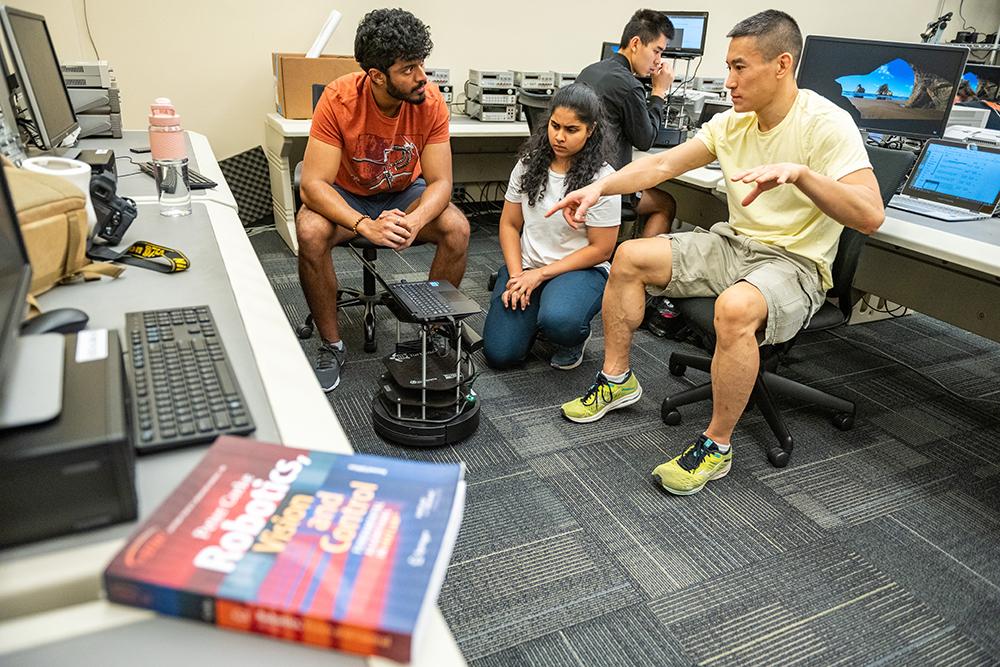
(340, 551)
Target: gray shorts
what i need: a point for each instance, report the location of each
(707, 262)
(384, 201)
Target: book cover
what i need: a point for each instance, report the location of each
(340, 551)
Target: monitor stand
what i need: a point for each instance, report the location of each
(32, 389)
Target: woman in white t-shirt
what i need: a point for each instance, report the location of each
(553, 276)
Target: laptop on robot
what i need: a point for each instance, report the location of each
(425, 300)
(952, 181)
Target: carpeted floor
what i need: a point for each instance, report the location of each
(880, 545)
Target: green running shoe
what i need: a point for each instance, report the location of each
(696, 467)
(602, 397)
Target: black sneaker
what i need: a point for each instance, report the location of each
(327, 367)
(662, 318)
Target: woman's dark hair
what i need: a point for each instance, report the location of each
(536, 153)
(387, 35)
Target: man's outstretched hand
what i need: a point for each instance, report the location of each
(767, 177)
(575, 205)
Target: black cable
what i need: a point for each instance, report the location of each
(965, 25)
(86, 22)
(891, 312)
(686, 81)
(129, 158)
(902, 363)
(32, 130)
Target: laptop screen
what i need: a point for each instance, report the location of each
(958, 174)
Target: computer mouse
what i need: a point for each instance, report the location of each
(713, 165)
(62, 320)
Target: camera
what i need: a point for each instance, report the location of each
(114, 213)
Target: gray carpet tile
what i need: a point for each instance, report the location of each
(874, 546)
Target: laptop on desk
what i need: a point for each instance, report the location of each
(425, 300)
(952, 181)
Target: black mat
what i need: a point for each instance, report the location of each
(874, 546)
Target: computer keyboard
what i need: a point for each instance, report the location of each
(424, 298)
(183, 390)
(933, 209)
(195, 180)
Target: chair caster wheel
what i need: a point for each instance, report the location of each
(304, 332)
(778, 457)
(671, 417)
(844, 421)
(677, 369)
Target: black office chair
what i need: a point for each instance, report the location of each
(891, 167)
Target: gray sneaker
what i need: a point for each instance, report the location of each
(327, 366)
(568, 358)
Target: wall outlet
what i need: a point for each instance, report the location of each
(458, 193)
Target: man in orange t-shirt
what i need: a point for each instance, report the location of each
(378, 165)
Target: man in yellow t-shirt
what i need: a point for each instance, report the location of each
(796, 171)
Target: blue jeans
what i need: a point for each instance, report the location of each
(561, 310)
(373, 205)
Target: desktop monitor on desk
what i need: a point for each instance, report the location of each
(984, 81)
(15, 279)
(888, 87)
(37, 67)
(31, 367)
(690, 29)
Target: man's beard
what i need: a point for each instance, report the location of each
(404, 97)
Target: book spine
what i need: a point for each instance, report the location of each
(266, 621)
(159, 598)
(310, 630)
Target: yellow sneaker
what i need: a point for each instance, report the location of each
(696, 467)
(602, 397)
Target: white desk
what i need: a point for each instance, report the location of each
(285, 141)
(142, 188)
(948, 270)
(50, 592)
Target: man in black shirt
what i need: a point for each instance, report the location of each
(633, 118)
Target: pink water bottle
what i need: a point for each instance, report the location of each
(170, 162)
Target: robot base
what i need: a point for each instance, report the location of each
(424, 434)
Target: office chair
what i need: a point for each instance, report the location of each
(891, 167)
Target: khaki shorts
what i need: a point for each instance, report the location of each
(707, 262)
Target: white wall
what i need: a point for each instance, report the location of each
(213, 56)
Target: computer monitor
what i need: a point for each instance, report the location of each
(712, 109)
(31, 367)
(37, 67)
(609, 49)
(15, 278)
(893, 88)
(984, 81)
(690, 29)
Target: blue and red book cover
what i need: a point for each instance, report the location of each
(339, 551)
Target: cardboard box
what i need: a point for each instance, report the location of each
(294, 76)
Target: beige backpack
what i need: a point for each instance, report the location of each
(53, 219)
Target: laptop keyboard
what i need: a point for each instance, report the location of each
(195, 180)
(424, 299)
(932, 209)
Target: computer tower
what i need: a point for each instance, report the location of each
(77, 471)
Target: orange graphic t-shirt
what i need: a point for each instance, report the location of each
(379, 153)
